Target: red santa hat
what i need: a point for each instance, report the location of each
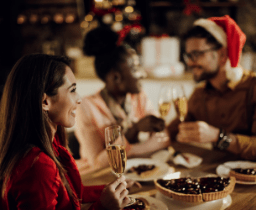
(228, 33)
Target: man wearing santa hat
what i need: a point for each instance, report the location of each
(221, 109)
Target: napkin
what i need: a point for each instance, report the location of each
(188, 160)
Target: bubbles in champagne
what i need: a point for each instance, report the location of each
(181, 107)
(164, 108)
(117, 158)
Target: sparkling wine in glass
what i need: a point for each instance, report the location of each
(115, 146)
(180, 101)
(164, 105)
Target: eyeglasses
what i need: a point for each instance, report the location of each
(195, 54)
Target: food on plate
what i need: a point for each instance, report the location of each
(244, 174)
(143, 170)
(196, 189)
(140, 204)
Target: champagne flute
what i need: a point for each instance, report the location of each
(115, 146)
(164, 105)
(180, 101)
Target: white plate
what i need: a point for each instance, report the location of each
(161, 155)
(154, 203)
(223, 169)
(163, 169)
(220, 204)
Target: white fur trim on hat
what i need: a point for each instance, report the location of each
(233, 74)
(215, 30)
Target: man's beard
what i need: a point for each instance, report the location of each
(205, 75)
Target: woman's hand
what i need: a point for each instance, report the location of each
(150, 123)
(114, 195)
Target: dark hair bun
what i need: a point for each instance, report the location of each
(99, 41)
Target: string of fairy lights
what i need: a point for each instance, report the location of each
(115, 13)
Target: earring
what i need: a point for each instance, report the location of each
(45, 113)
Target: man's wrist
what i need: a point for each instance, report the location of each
(224, 140)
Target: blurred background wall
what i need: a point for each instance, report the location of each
(58, 27)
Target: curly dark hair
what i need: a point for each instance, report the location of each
(101, 43)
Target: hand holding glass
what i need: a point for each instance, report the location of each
(164, 104)
(164, 101)
(180, 101)
(115, 146)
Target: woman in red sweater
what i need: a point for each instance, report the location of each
(36, 169)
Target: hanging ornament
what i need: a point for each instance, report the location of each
(190, 7)
(101, 12)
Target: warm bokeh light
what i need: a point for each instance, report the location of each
(108, 18)
(88, 18)
(45, 19)
(118, 2)
(33, 18)
(117, 26)
(119, 16)
(132, 16)
(70, 18)
(84, 24)
(21, 19)
(98, 0)
(129, 9)
(58, 18)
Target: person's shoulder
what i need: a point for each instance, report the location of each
(138, 96)
(248, 80)
(199, 89)
(36, 161)
(200, 86)
(92, 99)
(35, 164)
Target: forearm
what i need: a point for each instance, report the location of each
(242, 145)
(147, 147)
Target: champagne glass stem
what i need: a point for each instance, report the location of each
(115, 146)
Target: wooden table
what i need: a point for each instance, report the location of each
(243, 196)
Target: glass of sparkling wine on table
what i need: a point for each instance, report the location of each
(180, 101)
(115, 146)
(164, 105)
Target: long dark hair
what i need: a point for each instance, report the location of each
(23, 123)
(101, 42)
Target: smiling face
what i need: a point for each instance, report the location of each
(205, 66)
(62, 107)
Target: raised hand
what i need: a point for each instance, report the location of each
(198, 131)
